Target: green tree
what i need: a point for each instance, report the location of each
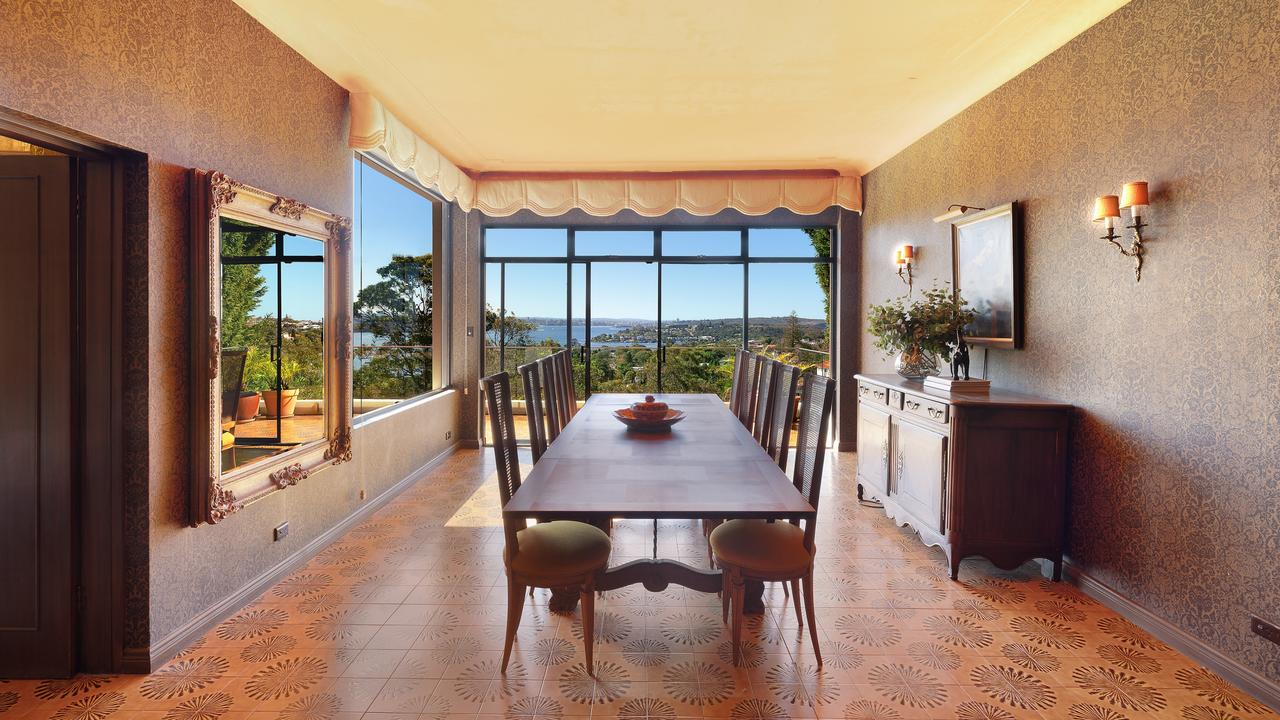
(398, 311)
(243, 286)
(790, 333)
(820, 238)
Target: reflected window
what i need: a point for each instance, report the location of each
(272, 339)
(396, 230)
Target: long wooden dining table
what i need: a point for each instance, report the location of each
(708, 466)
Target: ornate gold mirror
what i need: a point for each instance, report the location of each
(270, 344)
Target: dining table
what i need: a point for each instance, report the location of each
(705, 467)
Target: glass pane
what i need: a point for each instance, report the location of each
(701, 327)
(303, 247)
(624, 327)
(241, 239)
(532, 327)
(701, 242)
(273, 349)
(789, 313)
(393, 307)
(526, 242)
(613, 242)
(789, 242)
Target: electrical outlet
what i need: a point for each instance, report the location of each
(1265, 629)
(281, 532)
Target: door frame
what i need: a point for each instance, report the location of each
(98, 470)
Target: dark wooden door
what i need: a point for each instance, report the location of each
(37, 447)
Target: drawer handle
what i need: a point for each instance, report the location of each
(913, 405)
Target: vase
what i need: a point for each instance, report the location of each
(915, 363)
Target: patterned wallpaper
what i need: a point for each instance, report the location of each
(189, 83)
(1175, 501)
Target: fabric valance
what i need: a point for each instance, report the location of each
(375, 130)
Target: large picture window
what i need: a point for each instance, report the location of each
(657, 310)
(397, 321)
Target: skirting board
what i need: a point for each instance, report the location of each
(1242, 677)
(166, 649)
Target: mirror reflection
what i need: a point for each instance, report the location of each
(272, 340)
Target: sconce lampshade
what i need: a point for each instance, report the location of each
(1107, 206)
(1134, 194)
(908, 251)
(898, 258)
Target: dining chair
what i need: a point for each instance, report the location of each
(735, 388)
(783, 415)
(765, 384)
(562, 390)
(533, 409)
(570, 390)
(550, 390)
(746, 401)
(766, 551)
(556, 554)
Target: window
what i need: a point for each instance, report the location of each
(397, 331)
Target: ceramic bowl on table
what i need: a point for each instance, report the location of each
(649, 415)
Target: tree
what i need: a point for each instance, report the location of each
(397, 310)
(242, 285)
(820, 238)
(790, 332)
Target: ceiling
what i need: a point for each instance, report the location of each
(674, 85)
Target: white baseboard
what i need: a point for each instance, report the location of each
(176, 641)
(1247, 679)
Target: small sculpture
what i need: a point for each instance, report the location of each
(960, 359)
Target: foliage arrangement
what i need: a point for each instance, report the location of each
(929, 324)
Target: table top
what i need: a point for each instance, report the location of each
(708, 466)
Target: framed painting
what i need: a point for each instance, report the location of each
(986, 252)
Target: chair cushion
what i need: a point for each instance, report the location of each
(760, 545)
(562, 547)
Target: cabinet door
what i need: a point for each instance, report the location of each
(919, 472)
(873, 450)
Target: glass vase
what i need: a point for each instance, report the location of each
(914, 363)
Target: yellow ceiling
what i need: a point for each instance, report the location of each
(672, 85)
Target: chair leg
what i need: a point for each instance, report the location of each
(808, 610)
(587, 598)
(515, 605)
(739, 591)
(795, 596)
(725, 591)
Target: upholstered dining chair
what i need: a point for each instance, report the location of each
(556, 554)
(783, 414)
(765, 383)
(746, 401)
(533, 411)
(550, 391)
(735, 388)
(766, 551)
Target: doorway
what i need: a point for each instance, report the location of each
(61, 527)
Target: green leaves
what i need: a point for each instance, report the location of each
(930, 323)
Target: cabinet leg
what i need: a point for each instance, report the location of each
(1057, 570)
(955, 567)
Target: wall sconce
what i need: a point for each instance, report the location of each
(1106, 210)
(905, 258)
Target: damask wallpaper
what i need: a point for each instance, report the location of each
(1175, 498)
(196, 83)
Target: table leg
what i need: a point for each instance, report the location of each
(564, 599)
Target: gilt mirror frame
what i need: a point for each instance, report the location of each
(216, 495)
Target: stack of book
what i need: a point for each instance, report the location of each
(946, 384)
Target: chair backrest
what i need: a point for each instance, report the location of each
(735, 390)
(783, 414)
(232, 364)
(570, 390)
(767, 373)
(497, 395)
(550, 391)
(746, 403)
(533, 409)
(816, 400)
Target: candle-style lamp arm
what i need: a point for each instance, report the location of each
(1135, 249)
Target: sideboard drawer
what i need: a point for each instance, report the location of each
(873, 393)
(927, 409)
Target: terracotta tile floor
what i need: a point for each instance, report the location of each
(402, 619)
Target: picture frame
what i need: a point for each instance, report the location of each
(986, 270)
(217, 492)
